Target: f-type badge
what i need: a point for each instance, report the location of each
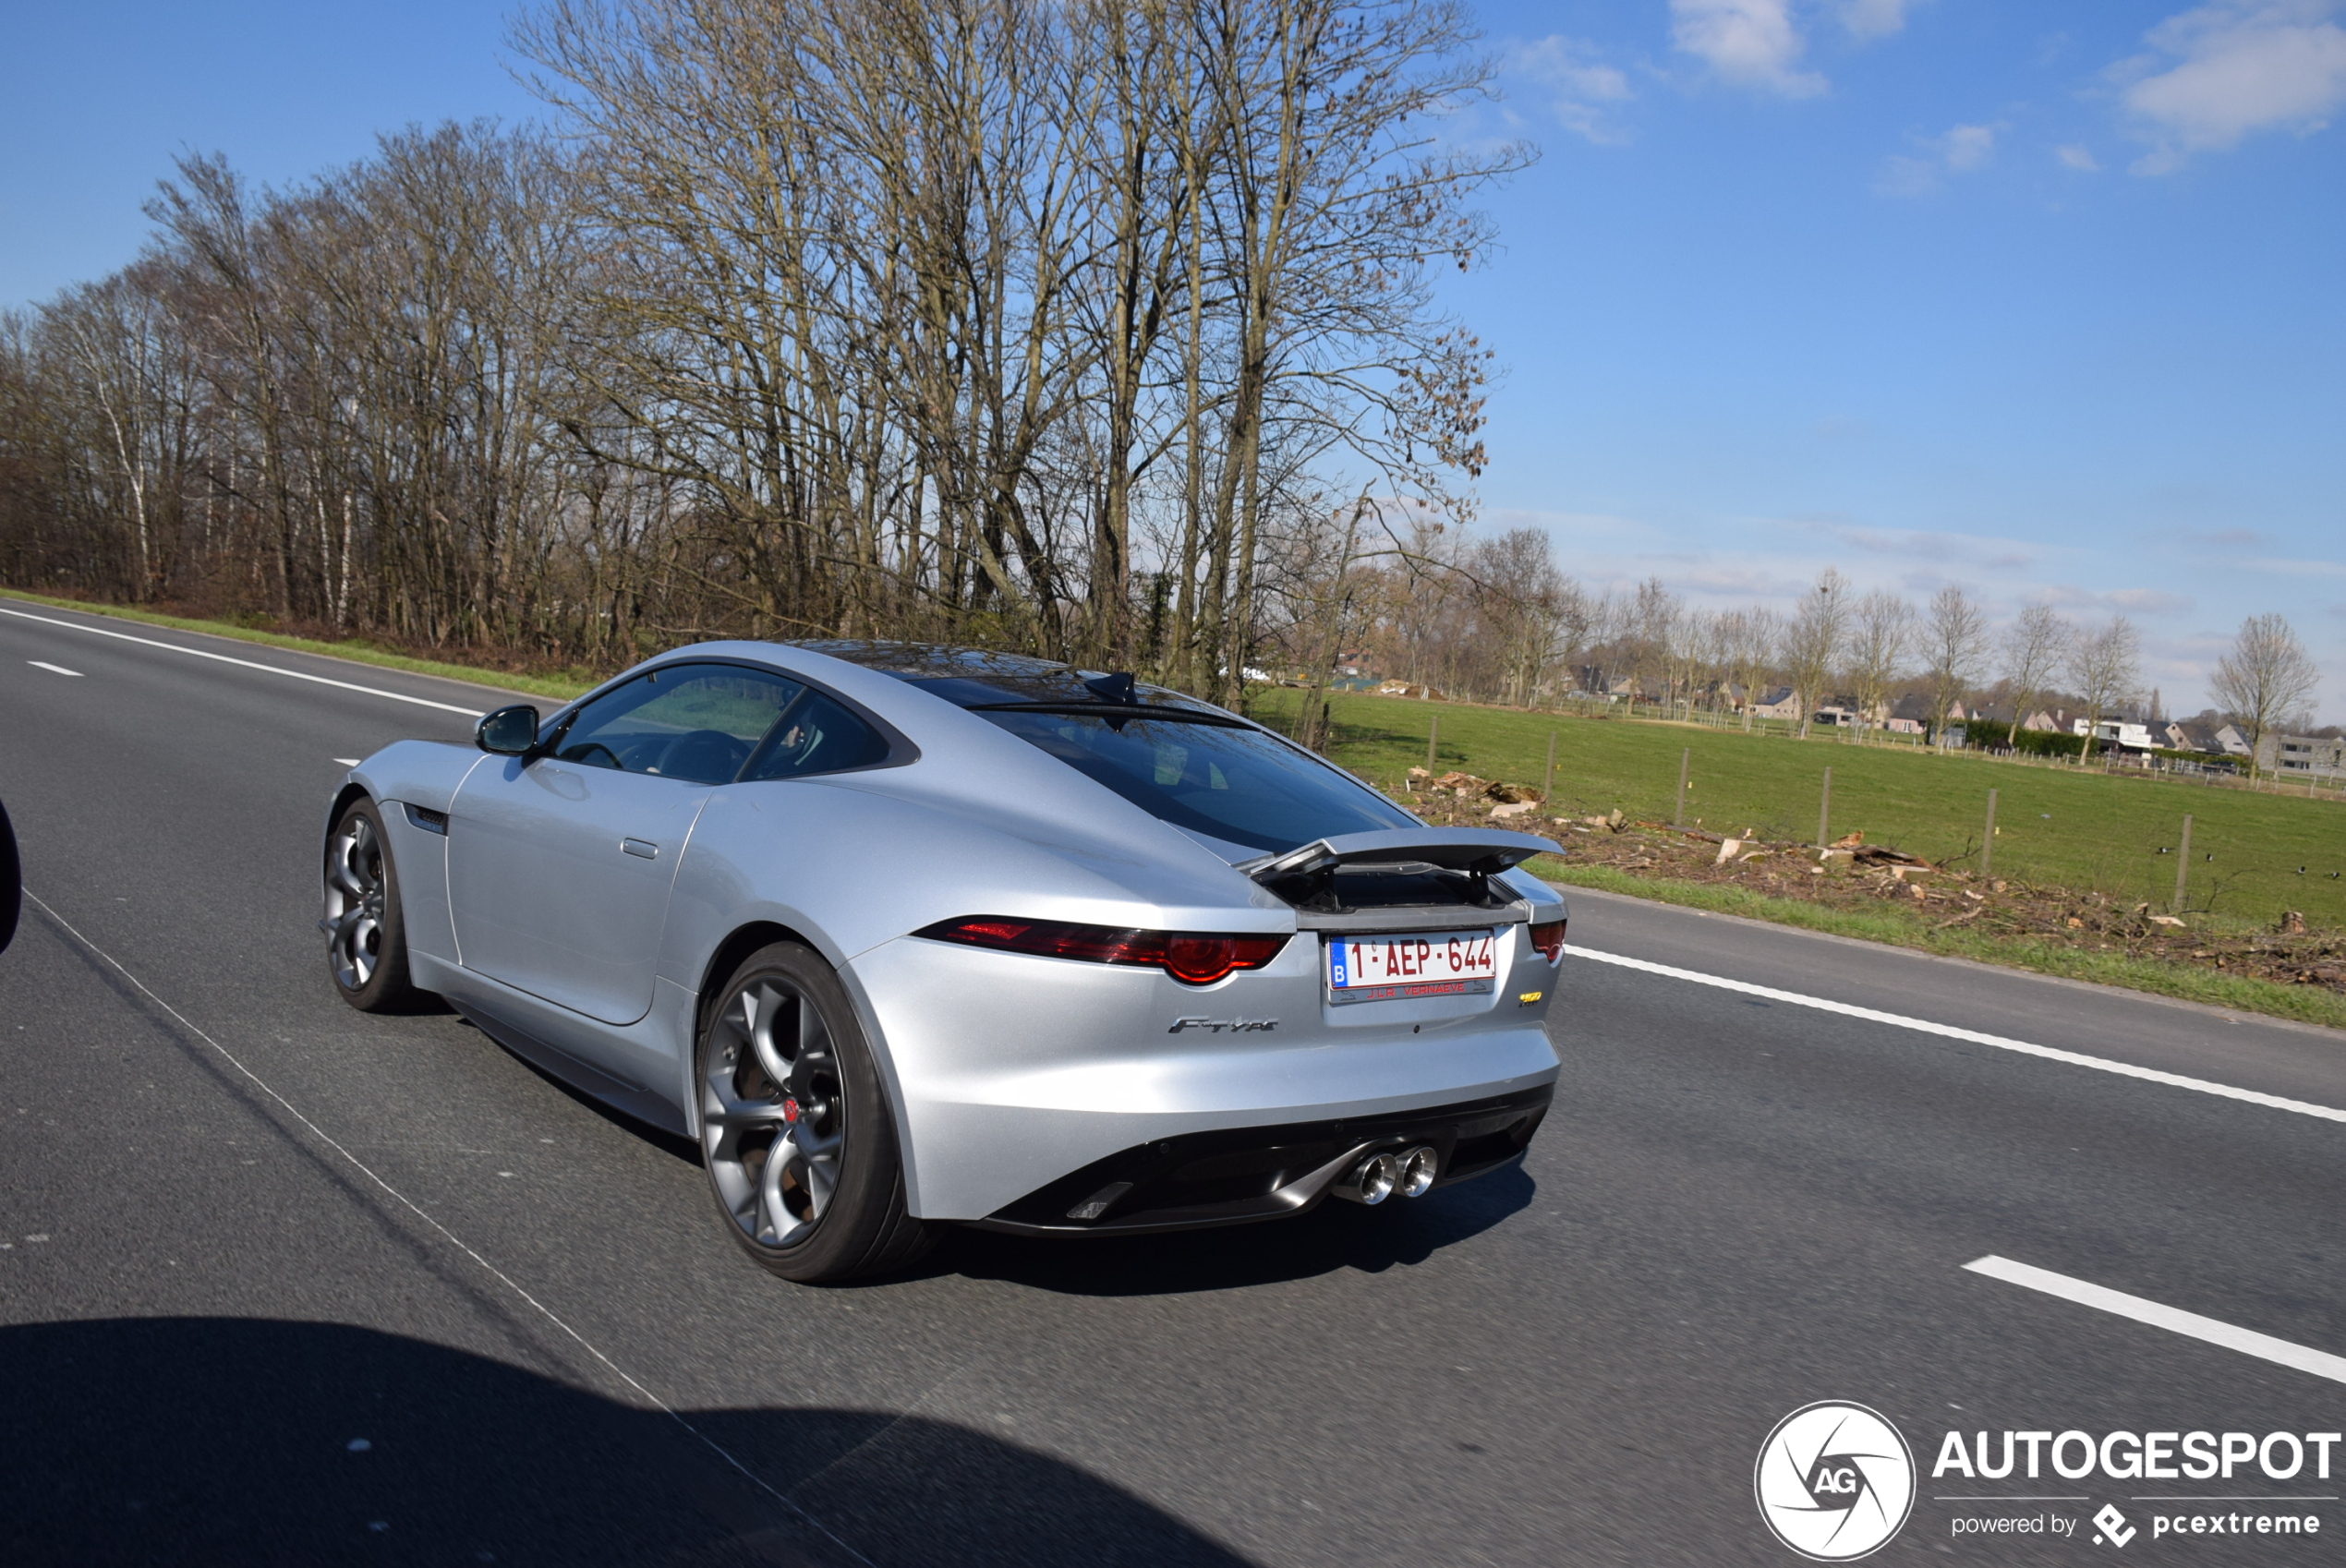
(1225, 1026)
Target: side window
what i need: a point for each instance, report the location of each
(817, 735)
(693, 722)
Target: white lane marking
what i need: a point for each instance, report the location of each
(2248, 1342)
(57, 668)
(450, 1236)
(2050, 1053)
(245, 663)
(346, 762)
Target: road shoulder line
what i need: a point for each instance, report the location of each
(446, 1235)
(2001, 1043)
(248, 664)
(2003, 971)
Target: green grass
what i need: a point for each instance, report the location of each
(354, 649)
(1897, 927)
(2078, 830)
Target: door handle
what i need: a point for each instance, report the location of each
(639, 847)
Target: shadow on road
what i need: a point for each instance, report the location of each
(198, 1441)
(1335, 1236)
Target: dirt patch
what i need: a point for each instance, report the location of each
(1854, 875)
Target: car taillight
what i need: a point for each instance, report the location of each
(1196, 959)
(1549, 939)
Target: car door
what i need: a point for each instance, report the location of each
(560, 865)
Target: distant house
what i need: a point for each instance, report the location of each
(2052, 723)
(1843, 711)
(1776, 702)
(2306, 757)
(1910, 715)
(2232, 741)
(2119, 733)
(2182, 737)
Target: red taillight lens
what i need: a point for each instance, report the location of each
(1201, 961)
(1549, 939)
(1193, 957)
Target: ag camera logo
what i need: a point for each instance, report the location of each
(1835, 1481)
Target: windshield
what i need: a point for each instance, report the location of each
(1217, 780)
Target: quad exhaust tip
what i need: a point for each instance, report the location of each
(1408, 1172)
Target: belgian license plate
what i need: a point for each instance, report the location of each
(1433, 963)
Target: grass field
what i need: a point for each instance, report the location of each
(1905, 928)
(2080, 829)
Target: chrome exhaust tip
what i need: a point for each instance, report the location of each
(1371, 1181)
(1419, 1167)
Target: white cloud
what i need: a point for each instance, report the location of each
(1984, 551)
(1968, 147)
(1750, 42)
(2077, 158)
(2222, 71)
(1960, 150)
(2298, 568)
(1873, 19)
(1906, 176)
(1583, 91)
(2147, 601)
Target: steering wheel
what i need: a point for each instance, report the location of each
(701, 756)
(578, 753)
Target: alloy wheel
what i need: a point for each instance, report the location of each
(773, 1118)
(355, 893)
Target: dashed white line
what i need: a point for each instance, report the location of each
(2248, 1342)
(54, 669)
(242, 663)
(1873, 1015)
(346, 762)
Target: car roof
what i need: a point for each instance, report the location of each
(990, 678)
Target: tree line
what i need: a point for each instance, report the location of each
(1089, 330)
(1498, 619)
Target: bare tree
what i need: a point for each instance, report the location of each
(2036, 646)
(1060, 327)
(1954, 649)
(2265, 679)
(2106, 667)
(1815, 640)
(1751, 636)
(1881, 629)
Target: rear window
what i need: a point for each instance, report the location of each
(1217, 779)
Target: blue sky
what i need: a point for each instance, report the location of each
(2045, 298)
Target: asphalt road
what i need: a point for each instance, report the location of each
(283, 1283)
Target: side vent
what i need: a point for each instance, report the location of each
(431, 821)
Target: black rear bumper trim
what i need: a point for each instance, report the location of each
(1239, 1175)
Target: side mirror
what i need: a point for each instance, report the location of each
(508, 732)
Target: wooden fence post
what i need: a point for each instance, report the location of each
(1824, 813)
(1433, 735)
(2182, 864)
(1685, 755)
(1988, 845)
(1548, 780)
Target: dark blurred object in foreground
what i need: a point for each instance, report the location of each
(11, 881)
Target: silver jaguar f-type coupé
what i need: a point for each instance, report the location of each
(909, 935)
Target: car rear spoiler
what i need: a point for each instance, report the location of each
(1403, 851)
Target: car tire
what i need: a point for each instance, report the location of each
(366, 936)
(796, 1134)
